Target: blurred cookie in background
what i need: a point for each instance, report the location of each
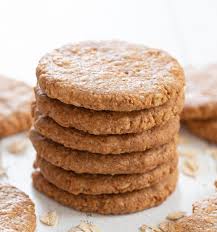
(200, 110)
(200, 94)
(15, 104)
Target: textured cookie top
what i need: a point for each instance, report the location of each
(201, 94)
(17, 211)
(110, 75)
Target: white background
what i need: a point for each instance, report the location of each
(28, 29)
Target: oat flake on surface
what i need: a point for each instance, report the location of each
(17, 146)
(190, 167)
(175, 215)
(85, 227)
(50, 218)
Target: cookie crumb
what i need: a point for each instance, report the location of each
(17, 146)
(50, 218)
(85, 227)
(174, 216)
(190, 167)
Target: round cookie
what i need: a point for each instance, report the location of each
(17, 211)
(201, 95)
(109, 203)
(107, 122)
(206, 129)
(203, 219)
(103, 184)
(110, 75)
(106, 144)
(15, 105)
(85, 162)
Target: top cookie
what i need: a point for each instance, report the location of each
(110, 75)
(17, 211)
(201, 94)
(15, 106)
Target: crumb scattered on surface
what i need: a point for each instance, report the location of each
(175, 215)
(17, 146)
(50, 218)
(190, 167)
(85, 227)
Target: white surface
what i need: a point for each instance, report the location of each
(28, 29)
(19, 169)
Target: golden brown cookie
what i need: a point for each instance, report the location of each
(103, 184)
(15, 105)
(110, 75)
(206, 129)
(86, 162)
(203, 219)
(109, 203)
(107, 122)
(17, 211)
(106, 144)
(201, 94)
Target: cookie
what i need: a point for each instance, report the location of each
(85, 162)
(15, 105)
(110, 75)
(201, 95)
(106, 144)
(203, 219)
(17, 211)
(103, 184)
(109, 203)
(107, 122)
(206, 129)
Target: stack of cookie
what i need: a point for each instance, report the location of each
(106, 121)
(200, 110)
